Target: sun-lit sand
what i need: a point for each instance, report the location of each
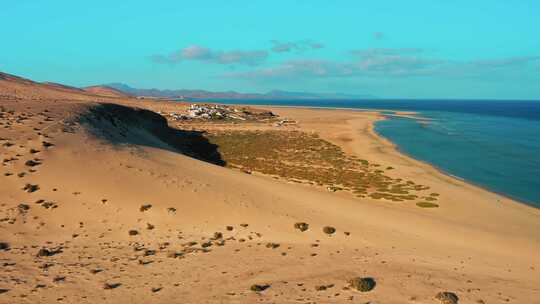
(126, 218)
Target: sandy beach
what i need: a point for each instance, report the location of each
(99, 204)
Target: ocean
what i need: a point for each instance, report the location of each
(492, 143)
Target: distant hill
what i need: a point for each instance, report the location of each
(60, 86)
(203, 94)
(106, 91)
(16, 88)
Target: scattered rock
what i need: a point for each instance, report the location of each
(150, 226)
(447, 297)
(217, 236)
(46, 266)
(175, 254)
(32, 163)
(44, 252)
(4, 246)
(244, 225)
(259, 288)
(23, 208)
(149, 252)
(329, 230)
(301, 226)
(46, 204)
(145, 207)
(31, 188)
(272, 245)
(230, 228)
(156, 289)
(133, 232)
(323, 287)
(47, 144)
(111, 285)
(363, 284)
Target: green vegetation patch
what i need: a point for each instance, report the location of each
(303, 157)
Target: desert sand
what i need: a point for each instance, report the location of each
(98, 205)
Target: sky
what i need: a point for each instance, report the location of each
(388, 49)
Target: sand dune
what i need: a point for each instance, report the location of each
(104, 203)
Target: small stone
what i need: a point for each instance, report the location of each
(32, 163)
(31, 188)
(329, 230)
(230, 228)
(133, 232)
(4, 246)
(111, 285)
(301, 226)
(149, 252)
(323, 287)
(175, 254)
(145, 207)
(272, 245)
(363, 284)
(217, 236)
(259, 288)
(23, 208)
(44, 252)
(447, 297)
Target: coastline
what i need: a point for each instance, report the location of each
(436, 171)
(396, 147)
(388, 152)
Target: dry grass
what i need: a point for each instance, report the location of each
(427, 205)
(306, 158)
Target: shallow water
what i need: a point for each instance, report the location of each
(499, 153)
(494, 144)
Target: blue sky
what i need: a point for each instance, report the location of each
(393, 49)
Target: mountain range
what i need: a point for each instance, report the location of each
(203, 94)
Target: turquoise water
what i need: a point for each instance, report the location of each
(496, 152)
(494, 144)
